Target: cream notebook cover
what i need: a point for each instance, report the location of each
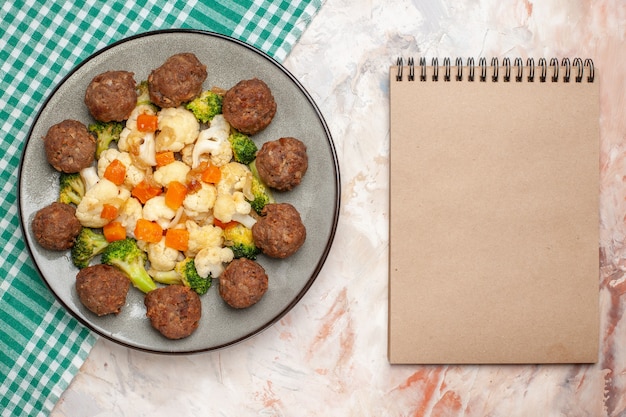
(494, 189)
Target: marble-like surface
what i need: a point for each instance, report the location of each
(328, 355)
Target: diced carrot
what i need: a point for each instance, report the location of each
(175, 194)
(211, 174)
(109, 212)
(223, 225)
(147, 122)
(115, 172)
(144, 191)
(114, 231)
(165, 157)
(177, 239)
(148, 231)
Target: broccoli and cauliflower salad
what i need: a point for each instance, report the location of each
(168, 191)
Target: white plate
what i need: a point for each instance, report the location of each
(317, 198)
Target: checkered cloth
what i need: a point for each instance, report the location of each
(41, 346)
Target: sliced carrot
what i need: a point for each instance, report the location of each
(109, 212)
(211, 174)
(144, 191)
(148, 231)
(177, 239)
(147, 122)
(175, 194)
(115, 172)
(165, 157)
(223, 225)
(114, 231)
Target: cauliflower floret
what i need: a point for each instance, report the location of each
(129, 136)
(177, 127)
(161, 257)
(198, 205)
(134, 175)
(186, 154)
(227, 205)
(130, 212)
(211, 261)
(140, 145)
(235, 177)
(156, 210)
(201, 237)
(174, 171)
(89, 176)
(103, 192)
(214, 142)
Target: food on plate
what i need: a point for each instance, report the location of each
(87, 245)
(249, 106)
(127, 257)
(111, 96)
(207, 105)
(261, 193)
(174, 310)
(69, 146)
(279, 232)
(166, 190)
(55, 226)
(243, 283)
(106, 133)
(102, 289)
(244, 148)
(177, 81)
(282, 163)
(239, 239)
(71, 188)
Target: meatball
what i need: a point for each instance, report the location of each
(282, 163)
(55, 226)
(174, 310)
(249, 106)
(243, 283)
(279, 232)
(69, 146)
(111, 96)
(102, 289)
(177, 81)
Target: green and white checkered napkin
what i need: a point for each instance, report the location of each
(42, 346)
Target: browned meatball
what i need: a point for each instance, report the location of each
(177, 81)
(279, 232)
(249, 106)
(243, 283)
(111, 96)
(69, 146)
(174, 310)
(56, 226)
(102, 289)
(282, 163)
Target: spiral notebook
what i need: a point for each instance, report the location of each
(494, 218)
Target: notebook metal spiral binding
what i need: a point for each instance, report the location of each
(507, 68)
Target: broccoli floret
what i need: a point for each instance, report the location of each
(71, 188)
(239, 238)
(88, 244)
(260, 191)
(206, 106)
(106, 132)
(143, 93)
(244, 149)
(128, 258)
(187, 271)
